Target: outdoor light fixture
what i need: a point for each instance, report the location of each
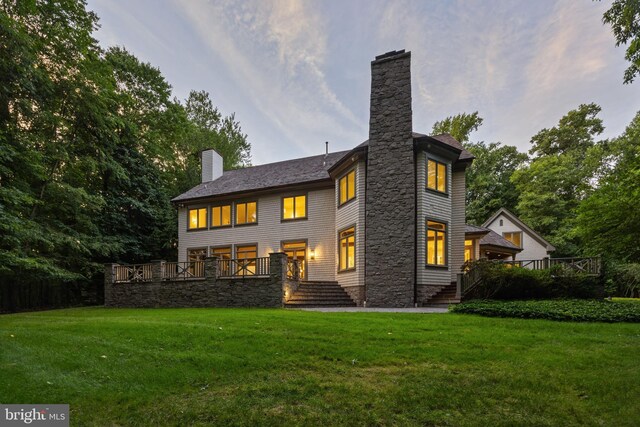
(312, 254)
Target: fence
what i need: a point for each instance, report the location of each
(243, 267)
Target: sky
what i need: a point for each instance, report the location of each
(298, 73)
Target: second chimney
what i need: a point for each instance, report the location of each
(211, 163)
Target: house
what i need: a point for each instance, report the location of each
(509, 226)
(384, 221)
(481, 242)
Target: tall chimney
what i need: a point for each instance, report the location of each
(211, 163)
(390, 220)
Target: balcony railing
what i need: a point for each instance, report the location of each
(243, 267)
(132, 273)
(183, 270)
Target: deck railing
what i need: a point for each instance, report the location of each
(243, 267)
(132, 273)
(586, 265)
(183, 270)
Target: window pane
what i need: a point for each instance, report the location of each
(202, 217)
(343, 190)
(343, 254)
(442, 177)
(287, 208)
(252, 215)
(431, 247)
(431, 174)
(193, 218)
(241, 213)
(351, 185)
(440, 252)
(301, 206)
(351, 252)
(516, 239)
(435, 225)
(226, 215)
(215, 214)
(222, 253)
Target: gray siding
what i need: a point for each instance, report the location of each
(317, 229)
(347, 215)
(456, 240)
(436, 207)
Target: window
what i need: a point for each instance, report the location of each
(196, 261)
(297, 251)
(501, 223)
(246, 256)
(197, 218)
(246, 213)
(223, 252)
(347, 187)
(436, 176)
(224, 259)
(514, 237)
(221, 216)
(294, 207)
(436, 243)
(469, 253)
(347, 245)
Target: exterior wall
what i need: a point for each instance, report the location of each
(437, 207)
(458, 219)
(390, 197)
(532, 249)
(352, 213)
(269, 232)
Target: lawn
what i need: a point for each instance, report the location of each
(275, 367)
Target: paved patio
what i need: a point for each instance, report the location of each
(374, 310)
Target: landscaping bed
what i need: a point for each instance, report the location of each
(564, 310)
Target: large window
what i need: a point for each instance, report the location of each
(436, 243)
(347, 245)
(246, 213)
(196, 261)
(221, 216)
(197, 218)
(297, 251)
(294, 207)
(514, 237)
(469, 251)
(246, 256)
(436, 176)
(224, 259)
(347, 187)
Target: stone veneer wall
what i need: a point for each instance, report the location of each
(390, 193)
(205, 292)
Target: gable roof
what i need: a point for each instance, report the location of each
(262, 177)
(490, 238)
(511, 217)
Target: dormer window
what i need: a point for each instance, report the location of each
(347, 187)
(436, 176)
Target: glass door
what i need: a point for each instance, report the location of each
(297, 251)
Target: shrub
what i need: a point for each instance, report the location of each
(563, 310)
(623, 280)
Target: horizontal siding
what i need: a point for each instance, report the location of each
(458, 204)
(349, 214)
(532, 249)
(435, 207)
(270, 231)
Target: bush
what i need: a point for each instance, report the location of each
(506, 282)
(623, 280)
(563, 310)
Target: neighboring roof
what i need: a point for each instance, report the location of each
(511, 217)
(272, 175)
(490, 238)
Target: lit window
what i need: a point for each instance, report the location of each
(347, 245)
(436, 176)
(514, 237)
(197, 218)
(347, 187)
(469, 253)
(246, 260)
(436, 243)
(196, 261)
(294, 207)
(223, 252)
(221, 216)
(246, 213)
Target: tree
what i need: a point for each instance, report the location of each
(459, 126)
(488, 180)
(608, 222)
(566, 161)
(624, 18)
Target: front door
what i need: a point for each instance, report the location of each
(297, 251)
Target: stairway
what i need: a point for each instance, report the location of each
(320, 294)
(444, 297)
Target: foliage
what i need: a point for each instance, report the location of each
(247, 367)
(488, 180)
(624, 280)
(564, 310)
(506, 282)
(624, 18)
(459, 126)
(566, 161)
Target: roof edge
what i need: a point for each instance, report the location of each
(511, 216)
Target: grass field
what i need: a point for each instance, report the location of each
(277, 367)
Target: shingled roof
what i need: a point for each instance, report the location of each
(490, 237)
(271, 175)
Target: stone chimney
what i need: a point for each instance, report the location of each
(211, 163)
(390, 220)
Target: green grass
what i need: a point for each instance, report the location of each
(277, 367)
(559, 309)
